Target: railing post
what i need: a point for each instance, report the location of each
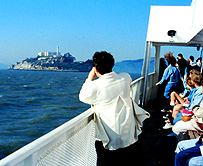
(145, 70)
(157, 61)
(156, 69)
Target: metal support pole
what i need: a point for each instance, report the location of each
(157, 66)
(145, 70)
(157, 60)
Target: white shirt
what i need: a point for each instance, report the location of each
(115, 120)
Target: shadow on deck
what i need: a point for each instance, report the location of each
(154, 147)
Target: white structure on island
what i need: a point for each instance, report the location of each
(45, 55)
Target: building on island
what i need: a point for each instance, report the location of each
(46, 55)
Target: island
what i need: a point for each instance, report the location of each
(53, 61)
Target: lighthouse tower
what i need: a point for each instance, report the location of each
(57, 53)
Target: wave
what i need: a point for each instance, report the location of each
(40, 119)
(74, 93)
(30, 100)
(74, 107)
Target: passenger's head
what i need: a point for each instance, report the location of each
(180, 56)
(191, 58)
(172, 61)
(170, 58)
(103, 62)
(168, 55)
(189, 83)
(193, 71)
(199, 59)
(197, 78)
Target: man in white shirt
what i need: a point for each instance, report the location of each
(117, 125)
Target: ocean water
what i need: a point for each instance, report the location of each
(32, 103)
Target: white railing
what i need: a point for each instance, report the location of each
(137, 87)
(152, 90)
(136, 90)
(73, 143)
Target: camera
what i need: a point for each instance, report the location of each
(171, 33)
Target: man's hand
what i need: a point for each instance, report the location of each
(92, 74)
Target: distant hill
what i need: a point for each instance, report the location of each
(132, 66)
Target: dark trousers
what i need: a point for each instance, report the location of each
(120, 157)
(182, 158)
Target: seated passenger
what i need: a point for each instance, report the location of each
(178, 109)
(196, 161)
(194, 99)
(196, 122)
(186, 91)
(180, 99)
(188, 152)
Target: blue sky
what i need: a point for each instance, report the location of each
(80, 27)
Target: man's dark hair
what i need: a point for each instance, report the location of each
(103, 62)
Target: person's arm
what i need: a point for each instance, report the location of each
(92, 74)
(179, 75)
(198, 111)
(88, 91)
(164, 77)
(196, 101)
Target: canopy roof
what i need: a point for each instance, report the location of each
(187, 21)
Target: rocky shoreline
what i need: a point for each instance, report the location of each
(62, 63)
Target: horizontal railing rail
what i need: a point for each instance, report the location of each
(72, 143)
(152, 90)
(136, 90)
(137, 87)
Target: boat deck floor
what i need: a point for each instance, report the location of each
(153, 148)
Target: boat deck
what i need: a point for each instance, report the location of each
(154, 147)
